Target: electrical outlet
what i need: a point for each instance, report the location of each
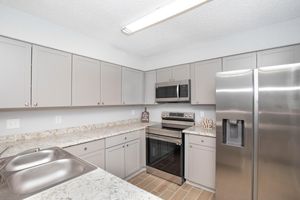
(201, 114)
(132, 112)
(58, 119)
(12, 123)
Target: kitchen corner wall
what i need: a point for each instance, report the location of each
(49, 118)
(42, 119)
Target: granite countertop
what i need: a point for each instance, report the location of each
(95, 185)
(66, 137)
(198, 130)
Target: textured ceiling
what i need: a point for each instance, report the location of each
(103, 19)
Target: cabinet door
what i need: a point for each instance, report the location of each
(203, 158)
(114, 160)
(51, 77)
(132, 157)
(238, 62)
(142, 148)
(132, 86)
(85, 81)
(15, 73)
(164, 75)
(150, 80)
(181, 72)
(278, 56)
(111, 84)
(95, 158)
(203, 81)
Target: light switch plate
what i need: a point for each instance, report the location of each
(58, 119)
(12, 123)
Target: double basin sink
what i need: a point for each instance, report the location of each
(36, 170)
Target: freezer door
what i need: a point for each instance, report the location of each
(279, 133)
(234, 106)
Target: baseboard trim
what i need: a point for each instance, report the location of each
(200, 186)
(135, 173)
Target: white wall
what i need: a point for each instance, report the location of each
(208, 111)
(275, 35)
(44, 119)
(23, 26)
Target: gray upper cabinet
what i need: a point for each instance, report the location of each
(85, 81)
(15, 73)
(51, 77)
(132, 86)
(150, 80)
(176, 73)
(238, 62)
(278, 56)
(181, 72)
(203, 81)
(164, 75)
(111, 84)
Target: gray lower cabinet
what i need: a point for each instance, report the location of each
(200, 160)
(203, 87)
(149, 87)
(124, 159)
(123, 154)
(278, 56)
(176, 73)
(51, 77)
(132, 157)
(111, 84)
(93, 152)
(115, 160)
(15, 73)
(239, 62)
(132, 86)
(85, 81)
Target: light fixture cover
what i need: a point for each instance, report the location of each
(162, 13)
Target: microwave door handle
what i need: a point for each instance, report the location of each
(177, 91)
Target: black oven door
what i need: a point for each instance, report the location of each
(165, 154)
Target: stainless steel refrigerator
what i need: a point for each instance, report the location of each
(258, 134)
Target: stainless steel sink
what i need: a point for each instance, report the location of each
(27, 174)
(31, 159)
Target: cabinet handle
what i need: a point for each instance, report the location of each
(191, 146)
(35, 104)
(127, 145)
(125, 138)
(123, 146)
(85, 148)
(202, 140)
(98, 103)
(102, 103)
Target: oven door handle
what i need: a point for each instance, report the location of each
(178, 142)
(177, 91)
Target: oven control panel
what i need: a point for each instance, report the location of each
(178, 115)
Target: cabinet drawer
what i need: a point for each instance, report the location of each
(86, 148)
(119, 139)
(202, 140)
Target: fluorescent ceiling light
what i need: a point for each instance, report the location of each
(160, 14)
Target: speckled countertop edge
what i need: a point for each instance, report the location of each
(94, 185)
(67, 137)
(198, 130)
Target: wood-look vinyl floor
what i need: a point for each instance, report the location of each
(169, 191)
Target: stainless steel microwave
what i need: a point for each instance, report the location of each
(175, 91)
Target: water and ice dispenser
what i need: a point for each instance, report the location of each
(233, 132)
